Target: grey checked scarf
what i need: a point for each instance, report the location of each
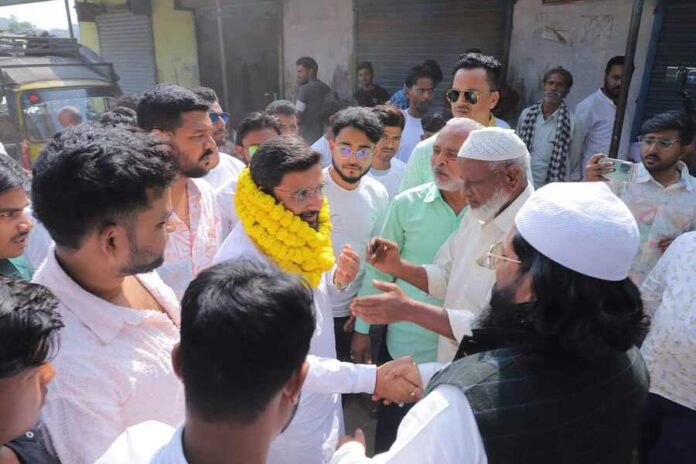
(561, 146)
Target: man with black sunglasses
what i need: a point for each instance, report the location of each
(227, 168)
(474, 95)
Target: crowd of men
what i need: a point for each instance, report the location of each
(169, 295)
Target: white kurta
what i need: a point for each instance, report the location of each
(458, 276)
(313, 434)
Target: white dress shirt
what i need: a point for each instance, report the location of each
(114, 366)
(410, 136)
(227, 171)
(596, 114)
(440, 428)
(669, 350)
(318, 424)
(150, 442)
(458, 276)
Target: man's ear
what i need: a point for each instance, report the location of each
(513, 175)
(495, 98)
(293, 386)
(112, 238)
(176, 360)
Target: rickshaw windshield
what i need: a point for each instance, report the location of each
(48, 111)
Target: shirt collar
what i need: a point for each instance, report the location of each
(104, 319)
(600, 93)
(432, 194)
(173, 451)
(492, 122)
(505, 220)
(643, 176)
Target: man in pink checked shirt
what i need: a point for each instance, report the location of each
(179, 116)
(103, 194)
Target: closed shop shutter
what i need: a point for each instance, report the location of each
(676, 46)
(398, 34)
(126, 41)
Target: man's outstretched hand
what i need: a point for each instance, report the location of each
(385, 308)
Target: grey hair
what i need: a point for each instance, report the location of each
(522, 162)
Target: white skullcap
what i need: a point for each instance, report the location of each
(493, 144)
(582, 226)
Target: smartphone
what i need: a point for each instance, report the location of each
(623, 170)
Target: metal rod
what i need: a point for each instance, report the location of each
(223, 59)
(628, 68)
(67, 12)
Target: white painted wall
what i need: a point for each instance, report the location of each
(322, 29)
(581, 37)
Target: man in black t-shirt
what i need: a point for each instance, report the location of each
(369, 93)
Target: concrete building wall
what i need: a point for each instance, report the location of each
(176, 53)
(581, 37)
(322, 29)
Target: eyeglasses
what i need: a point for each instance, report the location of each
(214, 117)
(494, 256)
(304, 195)
(661, 142)
(471, 96)
(252, 150)
(361, 153)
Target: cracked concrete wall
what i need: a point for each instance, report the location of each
(581, 37)
(322, 29)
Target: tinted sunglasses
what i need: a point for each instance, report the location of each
(471, 96)
(214, 117)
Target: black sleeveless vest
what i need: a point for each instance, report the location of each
(536, 407)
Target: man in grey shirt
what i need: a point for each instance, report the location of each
(310, 98)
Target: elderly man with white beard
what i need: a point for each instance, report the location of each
(493, 165)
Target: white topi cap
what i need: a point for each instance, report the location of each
(493, 144)
(582, 226)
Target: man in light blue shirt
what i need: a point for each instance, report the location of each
(419, 220)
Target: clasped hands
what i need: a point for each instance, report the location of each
(398, 381)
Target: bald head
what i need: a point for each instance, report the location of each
(447, 144)
(69, 116)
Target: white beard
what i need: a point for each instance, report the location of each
(488, 211)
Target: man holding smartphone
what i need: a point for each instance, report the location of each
(661, 194)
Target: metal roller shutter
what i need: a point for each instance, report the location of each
(676, 46)
(126, 41)
(398, 34)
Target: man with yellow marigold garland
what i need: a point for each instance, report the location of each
(284, 220)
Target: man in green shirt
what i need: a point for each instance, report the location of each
(420, 220)
(473, 95)
(14, 222)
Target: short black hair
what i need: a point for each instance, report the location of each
(161, 106)
(284, 107)
(253, 122)
(419, 72)
(390, 116)
(308, 63)
(89, 176)
(579, 314)
(279, 156)
(119, 116)
(29, 325)
(365, 65)
(207, 94)
(128, 101)
(435, 70)
(359, 118)
(567, 76)
(672, 120)
(480, 61)
(11, 174)
(433, 123)
(615, 61)
(245, 329)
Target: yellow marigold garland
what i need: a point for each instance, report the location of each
(292, 244)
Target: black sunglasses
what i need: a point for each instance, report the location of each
(215, 116)
(471, 96)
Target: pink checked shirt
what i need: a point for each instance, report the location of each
(188, 252)
(114, 366)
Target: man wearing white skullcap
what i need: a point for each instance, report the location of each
(551, 372)
(493, 163)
